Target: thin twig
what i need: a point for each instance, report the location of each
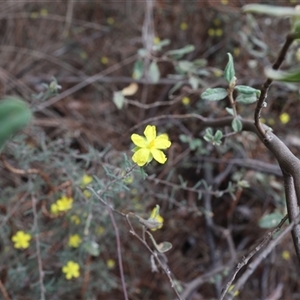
(246, 259)
(265, 87)
(38, 250)
(118, 251)
(3, 291)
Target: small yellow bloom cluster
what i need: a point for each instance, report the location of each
(71, 269)
(74, 241)
(286, 255)
(85, 181)
(21, 240)
(62, 205)
(184, 26)
(284, 118)
(104, 60)
(150, 146)
(186, 101)
(110, 263)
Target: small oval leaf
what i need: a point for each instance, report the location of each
(229, 72)
(215, 94)
(286, 76)
(237, 125)
(246, 89)
(119, 99)
(246, 98)
(154, 72)
(270, 220)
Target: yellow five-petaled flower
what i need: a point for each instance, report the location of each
(150, 146)
(71, 269)
(74, 240)
(21, 240)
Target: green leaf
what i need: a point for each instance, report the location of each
(277, 11)
(154, 72)
(178, 53)
(15, 114)
(236, 125)
(229, 110)
(92, 248)
(246, 89)
(246, 98)
(119, 99)
(138, 69)
(218, 135)
(160, 45)
(185, 66)
(270, 220)
(215, 94)
(161, 247)
(229, 72)
(286, 76)
(194, 82)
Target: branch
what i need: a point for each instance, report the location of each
(265, 87)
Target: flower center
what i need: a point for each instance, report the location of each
(152, 144)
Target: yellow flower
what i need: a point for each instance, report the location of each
(44, 12)
(156, 217)
(110, 20)
(224, 2)
(110, 263)
(71, 269)
(236, 293)
(284, 118)
(286, 255)
(150, 146)
(185, 100)
(219, 32)
(184, 26)
(64, 203)
(87, 193)
(74, 240)
(104, 60)
(21, 240)
(86, 179)
(211, 32)
(100, 230)
(54, 209)
(156, 40)
(75, 219)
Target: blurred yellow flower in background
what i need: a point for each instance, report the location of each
(71, 269)
(21, 240)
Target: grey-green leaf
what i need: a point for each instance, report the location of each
(229, 72)
(286, 76)
(270, 220)
(15, 114)
(237, 125)
(246, 89)
(178, 53)
(277, 11)
(215, 94)
(246, 98)
(119, 99)
(154, 72)
(138, 69)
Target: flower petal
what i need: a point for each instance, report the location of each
(150, 133)
(159, 156)
(162, 142)
(139, 140)
(141, 157)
